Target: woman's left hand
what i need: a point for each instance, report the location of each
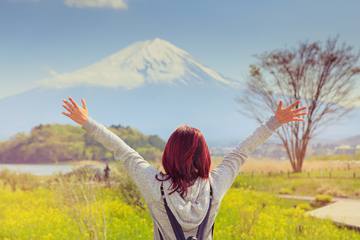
(288, 114)
(78, 114)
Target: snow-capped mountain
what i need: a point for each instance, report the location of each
(149, 62)
(153, 86)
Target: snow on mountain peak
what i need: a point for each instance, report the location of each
(148, 62)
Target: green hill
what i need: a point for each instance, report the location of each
(50, 143)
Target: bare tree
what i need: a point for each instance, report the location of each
(324, 76)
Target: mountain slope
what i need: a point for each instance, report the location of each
(154, 109)
(152, 86)
(142, 63)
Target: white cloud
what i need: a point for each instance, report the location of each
(115, 4)
(23, 1)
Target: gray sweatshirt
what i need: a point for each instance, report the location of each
(191, 210)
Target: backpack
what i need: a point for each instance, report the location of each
(176, 226)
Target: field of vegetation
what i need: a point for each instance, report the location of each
(73, 207)
(335, 178)
(78, 206)
(338, 178)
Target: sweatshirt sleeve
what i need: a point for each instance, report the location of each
(140, 170)
(225, 173)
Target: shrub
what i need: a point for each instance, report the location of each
(304, 206)
(22, 181)
(285, 191)
(323, 198)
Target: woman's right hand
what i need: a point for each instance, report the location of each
(78, 114)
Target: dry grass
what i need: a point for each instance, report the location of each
(266, 165)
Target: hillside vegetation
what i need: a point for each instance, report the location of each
(52, 143)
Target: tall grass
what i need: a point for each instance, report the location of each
(76, 206)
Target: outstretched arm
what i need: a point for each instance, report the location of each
(138, 168)
(225, 173)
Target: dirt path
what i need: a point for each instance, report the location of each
(310, 198)
(343, 211)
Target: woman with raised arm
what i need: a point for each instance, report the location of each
(183, 200)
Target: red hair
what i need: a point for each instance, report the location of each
(185, 158)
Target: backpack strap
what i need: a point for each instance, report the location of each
(201, 228)
(179, 234)
(161, 237)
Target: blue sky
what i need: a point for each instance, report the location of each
(37, 36)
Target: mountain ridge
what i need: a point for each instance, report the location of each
(144, 62)
(156, 107)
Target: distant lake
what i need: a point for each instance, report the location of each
(39, 169)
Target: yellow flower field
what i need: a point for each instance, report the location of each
(101, 213)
